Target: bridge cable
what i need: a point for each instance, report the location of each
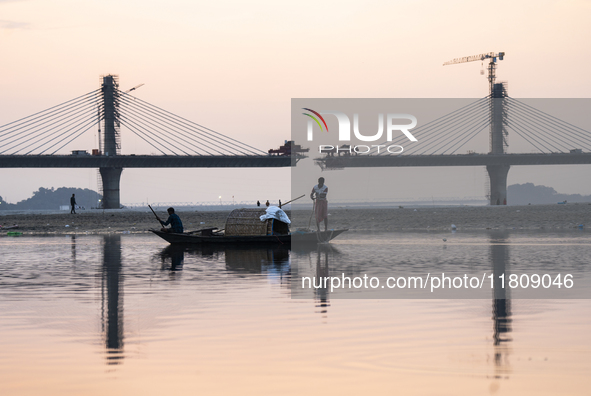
(76, 137)
(466, 131)
(541, 133)
(483, 126)
(462, 128)
(75, 129)
(139, 125)
(43, 123)
(441, 122)
(199, 126)
(556, 121)
(79, 99)
(578, 132)
(517, 129)
(457, 125)
(536, 128)
(144, 139)
(24, 146)
(15, 133)
(447, 136)
(168, 125)
(147, 130)
(148, 136)
(547, 147)
(69, 118)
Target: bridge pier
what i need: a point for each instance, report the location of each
(497, 175)
(111, 178)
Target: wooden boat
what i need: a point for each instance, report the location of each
(297, 237)
(244, 226)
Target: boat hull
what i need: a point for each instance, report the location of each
(297, 237)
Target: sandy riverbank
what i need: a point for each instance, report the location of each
(466, 218)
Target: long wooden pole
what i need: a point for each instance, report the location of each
(157, 218)
(283, 204)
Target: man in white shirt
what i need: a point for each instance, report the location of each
(319, 193)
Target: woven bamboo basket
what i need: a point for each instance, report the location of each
(247, 222)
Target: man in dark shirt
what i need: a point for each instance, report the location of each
(73, 204)
(174, 220)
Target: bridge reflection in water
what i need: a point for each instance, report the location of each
(325, 261)
(112, 298)
(275, 262)
(499, 257)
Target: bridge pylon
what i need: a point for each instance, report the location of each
(497, 174)
(110, 141)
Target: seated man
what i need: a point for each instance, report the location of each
(174, 220)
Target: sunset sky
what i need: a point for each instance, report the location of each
(234, 66)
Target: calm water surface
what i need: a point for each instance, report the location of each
(125, 314)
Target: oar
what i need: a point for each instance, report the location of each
(157, 218)
(313, 211)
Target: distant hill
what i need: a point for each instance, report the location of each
(523, 194)
(52, 199)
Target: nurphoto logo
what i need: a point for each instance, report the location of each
(344, 130)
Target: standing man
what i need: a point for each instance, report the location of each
(174, 220)
(319, 193)
(73, 204)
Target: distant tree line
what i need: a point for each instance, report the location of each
(52, 199)
(529, 193)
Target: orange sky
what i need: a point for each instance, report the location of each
(234, 66)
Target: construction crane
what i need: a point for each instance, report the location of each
(491, 66)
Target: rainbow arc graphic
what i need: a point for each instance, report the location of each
(316, 119)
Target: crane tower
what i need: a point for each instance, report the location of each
(497, 92)
(492, 65)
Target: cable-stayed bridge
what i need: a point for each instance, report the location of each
(554, 141)
(36, 141)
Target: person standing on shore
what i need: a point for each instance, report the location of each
(318, 194)
(73, 204)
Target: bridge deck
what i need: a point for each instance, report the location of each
(351, 161)
(144, 161)
(343, 161)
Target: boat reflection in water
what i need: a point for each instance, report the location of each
(271, 259)
(173, 258)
